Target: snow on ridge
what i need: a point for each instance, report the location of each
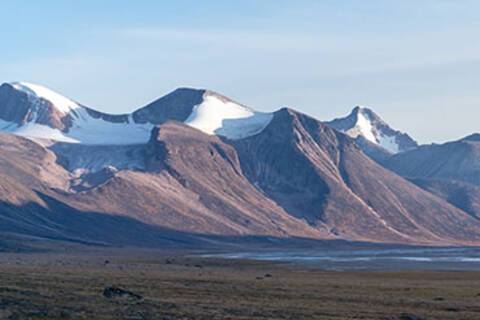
(373, 134)
(223, 117)
(60, 102)
(84, 128)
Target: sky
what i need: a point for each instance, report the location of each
(415, 63)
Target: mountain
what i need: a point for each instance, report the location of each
(462, 195)
(34, 111)
(458, 160)
(170, 199)
(450, 170)
(373, 134)
(204, 169)
(320, 175)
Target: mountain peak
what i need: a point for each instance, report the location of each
(36, 112)
(366, 112)
(31, 109)
(205, 110)
(204, 93)
(363, 123)
(38, 92)
(185, 91)
(358, 109)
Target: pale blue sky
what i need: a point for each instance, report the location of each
(416, 63)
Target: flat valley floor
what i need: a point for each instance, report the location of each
(172, 286)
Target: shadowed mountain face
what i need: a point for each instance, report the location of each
(277, 175)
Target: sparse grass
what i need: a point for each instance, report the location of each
(66, 287)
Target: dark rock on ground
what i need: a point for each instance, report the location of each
(116, 292)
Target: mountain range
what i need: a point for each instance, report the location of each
(195, 167)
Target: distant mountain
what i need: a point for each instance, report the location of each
(463, 195)
(197, 167)
(450, 170)
(372, 132)
(458, 160)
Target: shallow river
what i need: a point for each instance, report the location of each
(371, 259)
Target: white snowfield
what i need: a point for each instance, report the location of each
(226, 118)
(368, 131)
(89, 130)
(214, 116)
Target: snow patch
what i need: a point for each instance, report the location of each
(226, 118)
(40, 131)
(389, 143)
(365, 127)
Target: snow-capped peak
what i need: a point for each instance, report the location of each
(46, 114)
(364, 123)
(35, 91)
(219, 115)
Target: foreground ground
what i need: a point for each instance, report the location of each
(175, 287)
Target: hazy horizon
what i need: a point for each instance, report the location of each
(415, 64)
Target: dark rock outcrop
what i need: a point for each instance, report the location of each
(117, 292)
